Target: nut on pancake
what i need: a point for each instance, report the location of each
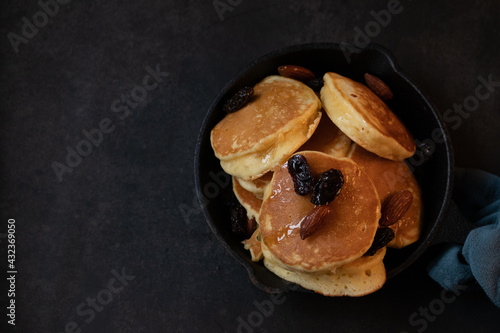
(281, 116)
(390, 177)
(328, 139)
(247, 199)
(357, 278)
(346, 233)
(365, 118)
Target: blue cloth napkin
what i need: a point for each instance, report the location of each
(477, 194)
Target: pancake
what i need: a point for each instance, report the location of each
(254, 165)
(257, 186)
(390, 177)
(247, 199)
(253, 245)
(365, 118)
(281, 116)
(358, 278)
(328, 139)
(346, 233)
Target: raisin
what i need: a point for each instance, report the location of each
(239, 100)
(328, 186)
(315, 84)
(301, 174)
(251, 226)
(382, 238)
(241, 226)
(238, 220)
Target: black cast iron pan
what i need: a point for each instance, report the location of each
(432, 166)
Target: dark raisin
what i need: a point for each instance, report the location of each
(251, 226)
(239, 100)
(241, 226)
(301, 174)
(238, 220)
(315, 84)
(328, 186)
(382, 238)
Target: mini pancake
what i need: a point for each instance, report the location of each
(390, 177)
(357, 278)
(257, 186)
(281, 116)
(253, 245)
(365, 118)
(247, 199)
(328, 139)
(254, 165)
(345, 234)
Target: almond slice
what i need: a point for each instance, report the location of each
(378, 87)
(313, 221)
(296, 72)
(395, 207)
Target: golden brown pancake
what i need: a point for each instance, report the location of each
(346, 233)
(257, 186)
(328, 139)
(281, 116)
(390, 177)
(253, 245)
(365, 118)
(247, 199)
(357, 278)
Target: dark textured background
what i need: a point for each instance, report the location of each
(119, 209)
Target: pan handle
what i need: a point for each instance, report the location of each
(455, 228)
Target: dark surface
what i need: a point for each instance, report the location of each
(121, 206)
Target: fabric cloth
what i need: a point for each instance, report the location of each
(477, 194)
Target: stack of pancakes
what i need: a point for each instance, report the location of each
(282, 116)
(361, 137)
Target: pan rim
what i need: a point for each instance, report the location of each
(448, 183)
